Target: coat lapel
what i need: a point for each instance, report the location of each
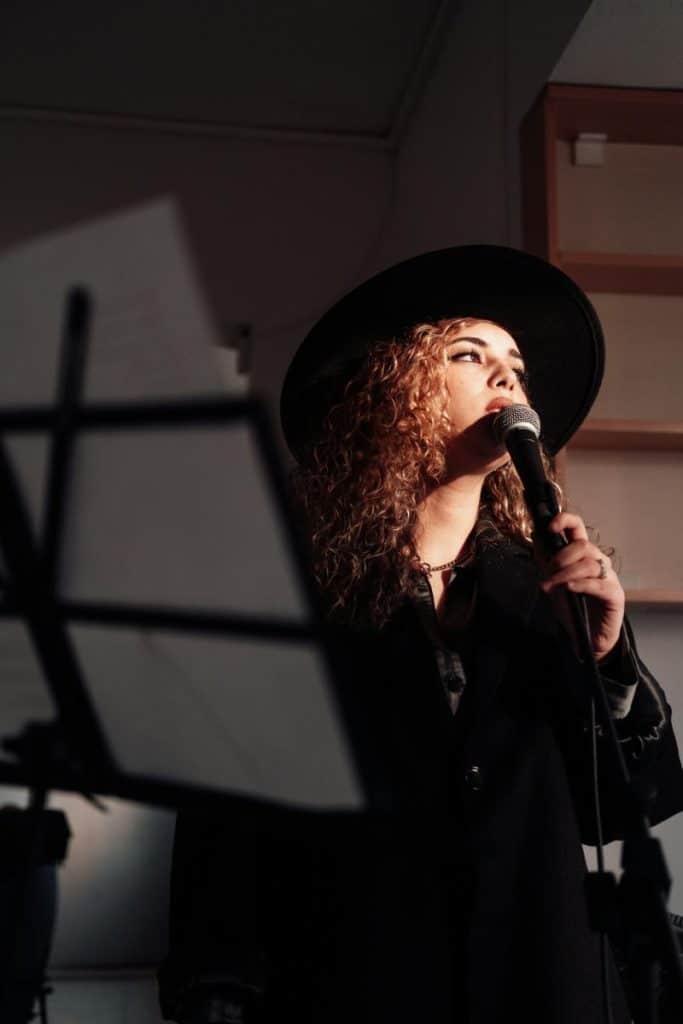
(507, 590)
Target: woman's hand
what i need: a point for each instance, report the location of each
(584, 569)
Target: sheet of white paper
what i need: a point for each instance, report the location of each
(151, 334)
(179, 518)
(236, 715)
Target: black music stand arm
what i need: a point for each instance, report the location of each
(71, 379)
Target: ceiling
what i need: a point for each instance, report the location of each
(319, 68)
(313, 66)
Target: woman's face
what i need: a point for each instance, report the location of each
(484, 372)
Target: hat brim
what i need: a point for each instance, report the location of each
(550, 318)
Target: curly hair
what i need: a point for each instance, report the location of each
(381, 449)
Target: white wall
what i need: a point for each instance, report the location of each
(660, 642)
(458, 167)
(278, 229)
(659, 635)
(636, 43)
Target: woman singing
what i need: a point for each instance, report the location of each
(465, 904)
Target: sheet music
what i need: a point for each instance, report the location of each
(245, 716)
(180, 518)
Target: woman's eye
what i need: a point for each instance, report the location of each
(469, 355)
(523, 378)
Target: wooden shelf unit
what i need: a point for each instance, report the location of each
(651, 117)
(629, 435)
(636, 116)
(562, 112)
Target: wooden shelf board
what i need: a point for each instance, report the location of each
(653, 598)
(633, 435)
(642, 116)
(641, 273)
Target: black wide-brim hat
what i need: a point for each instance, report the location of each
(553, 323)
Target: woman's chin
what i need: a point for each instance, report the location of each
(473, 464)
(476, 450)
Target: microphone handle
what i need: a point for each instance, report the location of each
(541, 499)
(539, 493)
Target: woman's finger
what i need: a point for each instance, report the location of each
(578, 551)
(611, 596)
(570, 524)
(598, 570)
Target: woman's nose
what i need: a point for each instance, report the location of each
(504, 377)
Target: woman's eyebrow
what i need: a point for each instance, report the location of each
(484, 344)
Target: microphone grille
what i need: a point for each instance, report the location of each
(515, 417)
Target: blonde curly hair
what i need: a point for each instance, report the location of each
(380, 451)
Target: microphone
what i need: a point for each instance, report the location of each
(518, 427)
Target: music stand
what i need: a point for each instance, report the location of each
(210, 680)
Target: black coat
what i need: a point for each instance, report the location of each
(467, 904)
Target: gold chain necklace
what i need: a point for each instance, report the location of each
(426, 568)
(464, 558)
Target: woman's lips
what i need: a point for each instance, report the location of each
(498, 403)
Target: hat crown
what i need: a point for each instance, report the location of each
(550, 317)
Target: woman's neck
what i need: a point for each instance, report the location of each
(446, 518)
